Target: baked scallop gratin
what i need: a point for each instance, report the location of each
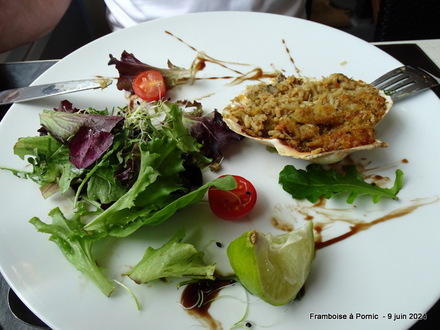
(321, 121)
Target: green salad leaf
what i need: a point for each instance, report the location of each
(75, 246)
(173, 259)
(316, 181)
(103, 186)
(50, 158)
(121, 221)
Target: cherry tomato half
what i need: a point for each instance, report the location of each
(149, 85)
(233, 204)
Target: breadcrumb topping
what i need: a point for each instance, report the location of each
(310, 115)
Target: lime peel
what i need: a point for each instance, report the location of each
(273, 268)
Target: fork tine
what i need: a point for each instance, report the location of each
(406, 91)
(404, 81)
(399, 80)
(387, 76)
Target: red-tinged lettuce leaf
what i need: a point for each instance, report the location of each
(88, 145)
(66, 106)
(131, 169)
(63, 125)
(129, 66)
(213, 134)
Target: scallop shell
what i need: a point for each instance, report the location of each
(315, 156)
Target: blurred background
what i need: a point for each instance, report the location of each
(371, 20)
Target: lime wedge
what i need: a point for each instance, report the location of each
(273, 268)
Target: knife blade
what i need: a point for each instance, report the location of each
(39, 91)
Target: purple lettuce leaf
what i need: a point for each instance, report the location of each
(88, 145)
(63, 125)
(212, 132)
(66, 106)
(129, 66)
(131, 170)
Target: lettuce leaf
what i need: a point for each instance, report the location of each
(129, 66)
(75, 246)
(212, 133)
(64, 125)
(50, 160)
(159, 216)
(104, 187)
(316, 181)
(66, 106)
(174, 259)
(88, 145)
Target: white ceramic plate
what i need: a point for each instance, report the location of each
(391, 268)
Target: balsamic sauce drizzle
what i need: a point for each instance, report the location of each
(356, 226)
(197, 298)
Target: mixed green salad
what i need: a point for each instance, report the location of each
(125, 170)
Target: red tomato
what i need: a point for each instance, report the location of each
(149, 85)
(233, 204)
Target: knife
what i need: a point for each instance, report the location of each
(39, 91)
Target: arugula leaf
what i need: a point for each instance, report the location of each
(316, 181)
(173, 259)
(76, 247)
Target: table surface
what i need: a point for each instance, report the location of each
(430, 47)
(9, 322)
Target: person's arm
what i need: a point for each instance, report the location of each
(25, 21)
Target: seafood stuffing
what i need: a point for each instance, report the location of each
(317, 120)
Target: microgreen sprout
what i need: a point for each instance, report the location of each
(138, 306)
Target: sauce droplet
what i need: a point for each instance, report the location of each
(197, 298)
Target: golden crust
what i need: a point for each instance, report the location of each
(309, 116)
